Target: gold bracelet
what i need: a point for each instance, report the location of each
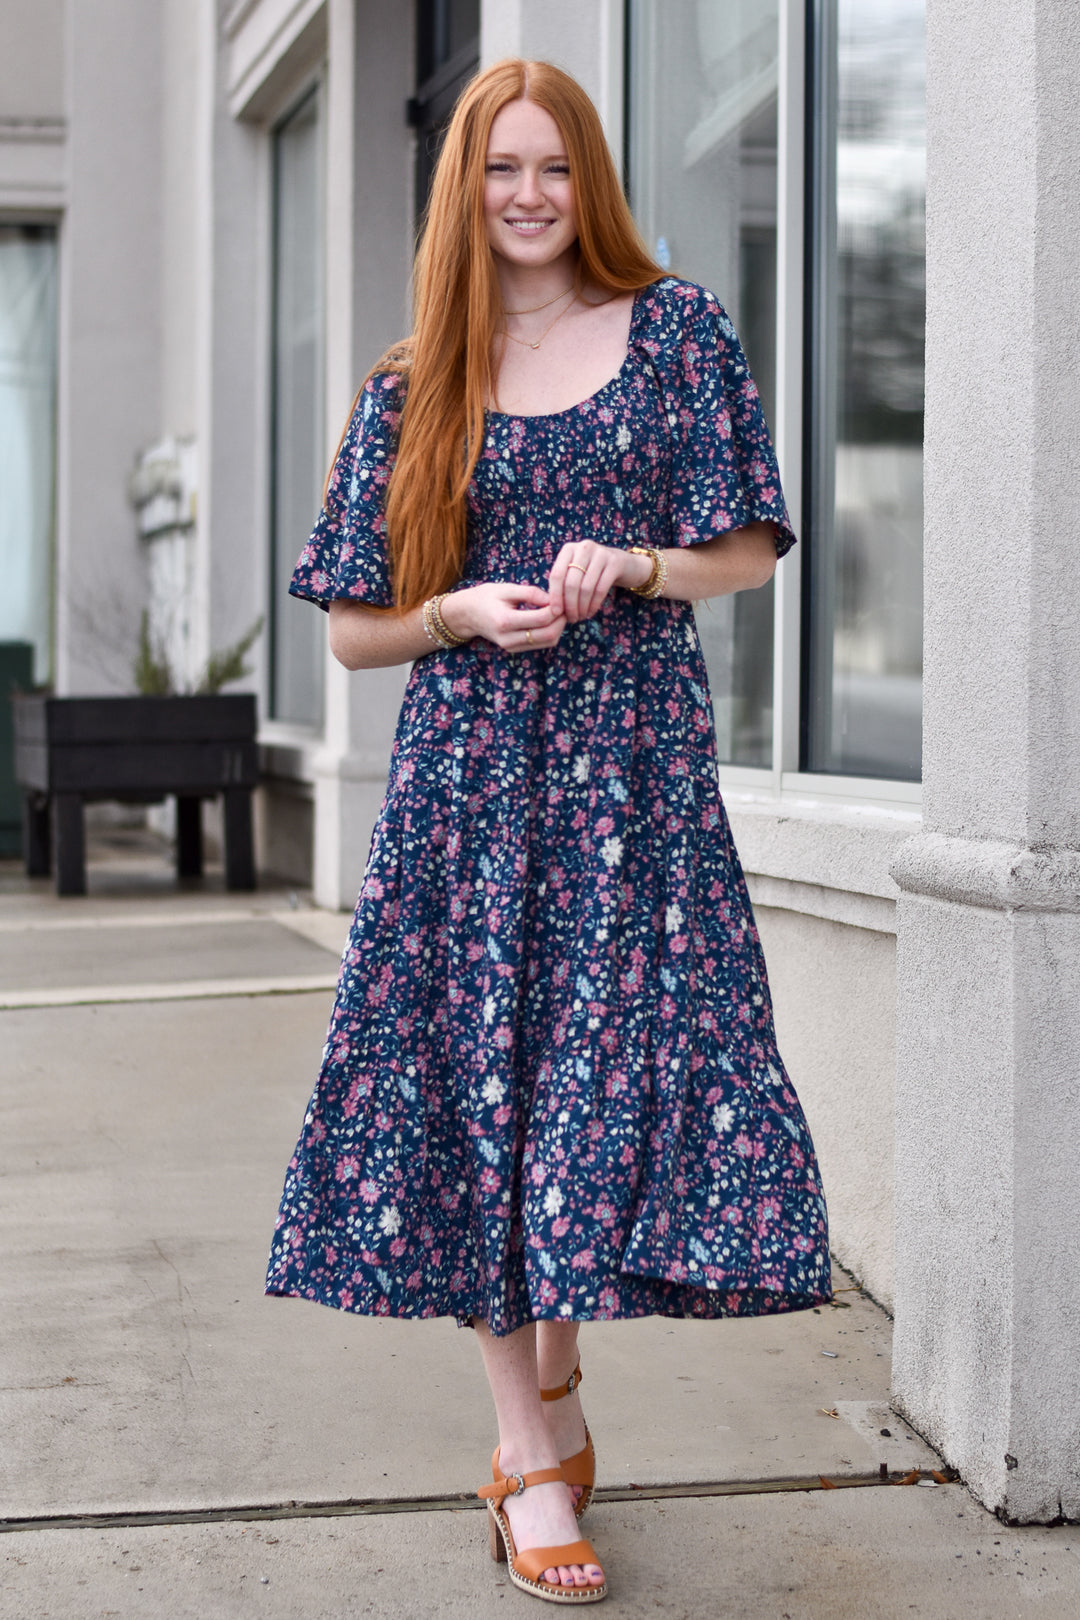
(657, 578)
(436, 625)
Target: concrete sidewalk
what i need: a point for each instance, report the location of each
(142, 1370)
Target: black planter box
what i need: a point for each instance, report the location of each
(69, 751)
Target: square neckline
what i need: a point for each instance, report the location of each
(552, 416)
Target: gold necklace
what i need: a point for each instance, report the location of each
(525, 344)
(534, 307)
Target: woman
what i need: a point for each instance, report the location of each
(551, 1091)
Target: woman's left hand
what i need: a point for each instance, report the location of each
(584, 574)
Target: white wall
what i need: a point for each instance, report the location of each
(184, 56)
(834, 995)
(584, 40)
(32, 59)
(110, 369)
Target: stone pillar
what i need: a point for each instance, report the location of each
(986, 1358)
(369, 258)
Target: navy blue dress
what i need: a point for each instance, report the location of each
(551, 1087)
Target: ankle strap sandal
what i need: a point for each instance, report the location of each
(580, 1469)
(526, 1569)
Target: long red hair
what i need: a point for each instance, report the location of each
(457, 311)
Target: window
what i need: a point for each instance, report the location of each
(447, 56)
(702, 168)
(717, 186)
(27, 436)
(862, 612)
(297, 636)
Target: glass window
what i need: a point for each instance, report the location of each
(27, 436)
(298, 636)
(702, 172)
(862, 697)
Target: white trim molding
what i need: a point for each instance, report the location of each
(33, 164)
(270, 42)
(824, 860)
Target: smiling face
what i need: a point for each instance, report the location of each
(528, 196)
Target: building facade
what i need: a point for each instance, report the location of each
(208, 210)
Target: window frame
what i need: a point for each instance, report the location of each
(427, 112)
(273, 728)
(51, 222)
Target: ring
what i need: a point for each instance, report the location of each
(577, 565)
(528, 637)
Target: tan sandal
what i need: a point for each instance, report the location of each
(527, 1568)
(580, 1469)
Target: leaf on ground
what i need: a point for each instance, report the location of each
(828, 1411)
(910, 1479)
(827, 1484)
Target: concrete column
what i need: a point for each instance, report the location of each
(986, 1363)
(585, 40)
(369, 259)
(230, 315)
(110, 312)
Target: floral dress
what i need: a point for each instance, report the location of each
(551, 1087)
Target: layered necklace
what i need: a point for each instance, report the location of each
(525, 343)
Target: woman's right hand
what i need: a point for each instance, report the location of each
(518, 618)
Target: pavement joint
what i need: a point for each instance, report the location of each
(179, 990)
(453, 1504)
(133, 919)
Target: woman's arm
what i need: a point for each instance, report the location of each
(362, 639)
(737, 561)
(498, 610)
(740, 560)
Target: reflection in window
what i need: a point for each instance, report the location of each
(297, 634)
(703, 101)
(865, 398)
(27, 436)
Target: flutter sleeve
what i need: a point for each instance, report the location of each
(346, 557)
(724, 470)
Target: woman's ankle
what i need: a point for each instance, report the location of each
(556, 1359)
(523, 1454)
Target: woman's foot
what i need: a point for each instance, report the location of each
(543, 1516)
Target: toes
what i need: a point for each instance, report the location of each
(574, 1575)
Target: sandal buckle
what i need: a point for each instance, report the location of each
(571, 1383)
(520, 1483)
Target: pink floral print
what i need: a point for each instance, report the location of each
(551, 1086)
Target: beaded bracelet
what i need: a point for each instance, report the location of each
(658, 578)
(435, 625)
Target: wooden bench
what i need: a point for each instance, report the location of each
(70, 751)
